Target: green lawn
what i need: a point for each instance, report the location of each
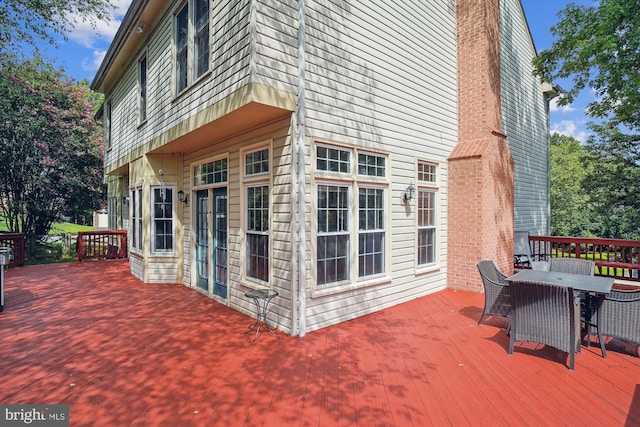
(57, 228)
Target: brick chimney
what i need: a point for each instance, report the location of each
(480, 193)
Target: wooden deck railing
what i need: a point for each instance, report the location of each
(15, 243)
(106, 244)
(613, 257)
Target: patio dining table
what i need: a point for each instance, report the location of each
(594, 287)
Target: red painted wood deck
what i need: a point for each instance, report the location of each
(121, 353)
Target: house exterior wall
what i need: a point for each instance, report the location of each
(525, 121)
(377, 84)
(377, 78)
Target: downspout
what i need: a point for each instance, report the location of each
(302, 187)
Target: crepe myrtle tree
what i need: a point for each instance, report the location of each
(50, 146)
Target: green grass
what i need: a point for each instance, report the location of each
(57, 228)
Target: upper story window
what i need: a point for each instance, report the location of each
(107, 125)
(142, 89)
(191, 38)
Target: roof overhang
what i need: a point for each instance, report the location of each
(133, 31)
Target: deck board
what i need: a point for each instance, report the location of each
(121, 352)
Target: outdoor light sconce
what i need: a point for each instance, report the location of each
(183, 197)
(408, 195)
(125, 200)
(140, 28)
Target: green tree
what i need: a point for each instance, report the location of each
(571, 213)
(50, 146)
(613, 183)
(598, 47)
(27, 21)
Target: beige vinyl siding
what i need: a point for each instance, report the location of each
(280, 218)
(230, 70)
(276, 44)
(524, 119)
(376, 83)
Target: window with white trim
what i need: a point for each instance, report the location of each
(112, 212)
(213, 172)
(192, 38)
(333, 249)
(107, 125)
(136, 219)
(142, 89)
(364, 186)
(426, 212)
(162, 217)
(257, 195)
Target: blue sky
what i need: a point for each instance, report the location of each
(82, 54)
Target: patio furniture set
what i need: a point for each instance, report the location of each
(558, 303)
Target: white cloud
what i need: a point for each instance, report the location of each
(570, 128)
(554, 107)
(96, 40)
(93, 63)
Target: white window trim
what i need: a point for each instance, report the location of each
(141, 121)
(135, 197)
(192, 79)
(255, 180)
(174, 221)
(435, 187)
(355, 181)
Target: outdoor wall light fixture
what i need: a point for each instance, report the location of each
(183, 197)
(125, 200)
(140, 28)
(408, 195)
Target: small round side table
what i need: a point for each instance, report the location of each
(261, 298)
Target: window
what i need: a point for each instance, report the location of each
(371, 165)
(197, 41)
(257, 193)
(107, 125)
(426, 213)
(371, 232)
(182, 44)
(257, 162)
(258, 232)
(136, 219)
(112, 212)
(363, 187)
(162, 208)
(333, 234)
(142, 82)
(213, 172)
(333, 159)
(201, 37)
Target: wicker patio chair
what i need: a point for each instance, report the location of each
(545, 314)
(522, 257)
(572, 265)
(497, 301)
(619, 316)
(584, 267)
